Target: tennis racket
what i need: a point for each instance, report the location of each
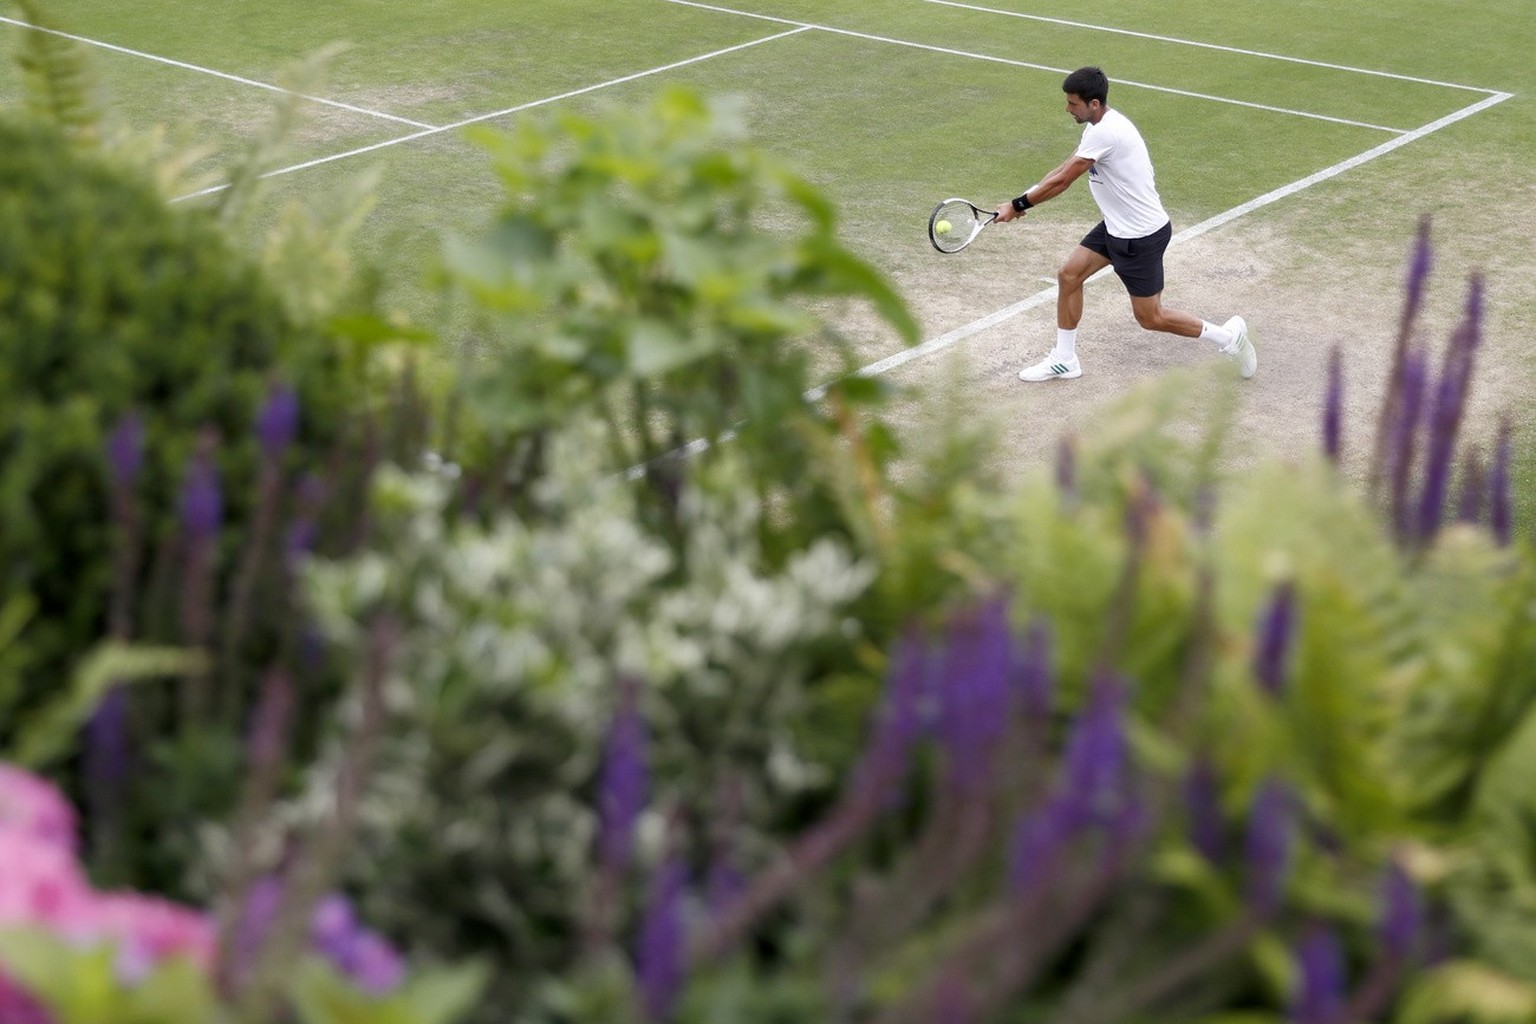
(961, 223)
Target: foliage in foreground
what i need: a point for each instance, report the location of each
(1258, 693)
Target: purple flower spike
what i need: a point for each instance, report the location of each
(724, 885)
(1333, 408)
(663, 939)
(1142, 506)
(374, 965)
(955, 1002)
(974, 693)
(1473, 484)
(625, 780)
(268, 734)
(303, 531)
(1096, 764)
(333, 927)
(1038, 840)
(1202, 801)
(899, 721)
(1402, 914)
(125, 450)
(1321, 981)
(1034, 677)
(1419, 266)
(202, 505)
(1271, 828)
(1500, 510)
(277, 423)
(1276, 631)
(106, 757)
(370, 962)
(1450, 403)
(1066, 467)
(1404, 436)
(1443, 421)
(257, 916)
(1474, 309)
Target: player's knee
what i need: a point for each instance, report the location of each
(1151, 319)
(1068, 278)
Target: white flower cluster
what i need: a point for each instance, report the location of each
(555, 609)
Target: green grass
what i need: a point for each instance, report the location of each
(884, 128)
(887, 130)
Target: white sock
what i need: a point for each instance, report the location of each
(1066, 343)
(1220, 335)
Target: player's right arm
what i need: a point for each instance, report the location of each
(1050, 186)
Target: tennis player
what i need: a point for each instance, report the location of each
(1131, 238)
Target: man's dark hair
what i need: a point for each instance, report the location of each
(1089, 84)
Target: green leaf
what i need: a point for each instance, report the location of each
(77, 986)
(321, 997)
(48, 736)
(442, 996)
(376, 329)
(1469, 992)
(446, 994)
(177, 991)
(656, 348)
(14, 615)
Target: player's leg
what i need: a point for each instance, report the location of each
(1061, 363)
(1154, 316)
(1231, 338)
(1082, 264)
(1139, 263)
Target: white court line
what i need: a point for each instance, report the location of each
(210, 71)
(500, 113)
(1213, 46)
(1038, 67)
(944, 341)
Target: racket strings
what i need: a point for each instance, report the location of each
(954, 224)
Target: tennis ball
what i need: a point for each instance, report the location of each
(943, 227)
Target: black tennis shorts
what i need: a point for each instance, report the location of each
(1138, 261)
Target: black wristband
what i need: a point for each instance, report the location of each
(1022, 203)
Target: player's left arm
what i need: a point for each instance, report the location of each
(1050, 186)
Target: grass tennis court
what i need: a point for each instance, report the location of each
(1300, 140)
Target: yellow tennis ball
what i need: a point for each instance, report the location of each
(943, 227)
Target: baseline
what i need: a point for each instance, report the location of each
(210, 71)
(1211, 46)
(1039, 67)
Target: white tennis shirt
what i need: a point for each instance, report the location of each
(1121, 178)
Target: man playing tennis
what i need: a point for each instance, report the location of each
(1131, 237)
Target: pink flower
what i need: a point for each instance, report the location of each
(147, 930)
(17, 1007)
(35, 806)
(41, 885)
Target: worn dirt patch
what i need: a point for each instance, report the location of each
(1299, 305)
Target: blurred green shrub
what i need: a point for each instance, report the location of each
(112, 303)
(656, 272)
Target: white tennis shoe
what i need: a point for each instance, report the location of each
(1052, 367)
(1241, 351)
